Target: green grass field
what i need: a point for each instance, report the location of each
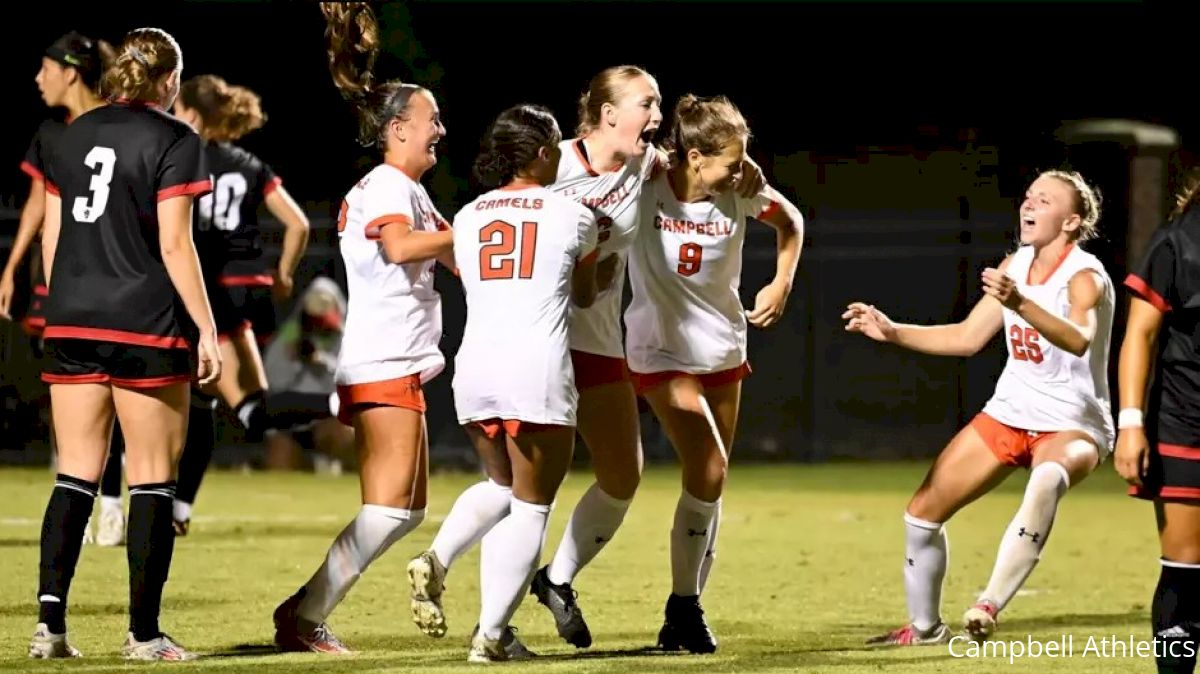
(809, 565)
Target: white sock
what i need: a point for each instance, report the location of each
(1026, 535)
(926, 552)
(508, 559)
(109, 503)
(689, 542)
(473, 514)
(710, 552)
(367, 536)
(181, 511)
(593, 522)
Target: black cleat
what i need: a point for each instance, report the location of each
(685, 628)
(560, 599)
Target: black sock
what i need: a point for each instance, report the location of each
(252, 412)
(1176, 619)
(197, 452)
(150, 542)
(110, 481)
(66, 518)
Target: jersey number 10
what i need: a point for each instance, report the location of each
(222, 208)
(499, 240)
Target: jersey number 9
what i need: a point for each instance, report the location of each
(690, 257)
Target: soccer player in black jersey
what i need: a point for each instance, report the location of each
(238, 277)
(1159, 455)
(126, 297)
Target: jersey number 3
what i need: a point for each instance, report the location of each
(90, 208)
(499, 240)
(1025, 344)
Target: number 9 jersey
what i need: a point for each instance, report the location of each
(111, 167)
(516, 249)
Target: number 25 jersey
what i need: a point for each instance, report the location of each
(111, 168)
(1044, 388)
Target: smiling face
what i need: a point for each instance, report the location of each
(420, 130)
(719, 173)
(635, 115)
(1049, 211)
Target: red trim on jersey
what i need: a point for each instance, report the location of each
(372, 229)
(590, 257)
(41, 289)
(198, 187)
(272, 186)
(32, 171)
(152, 382)
(771, 209)
(256, 280)
(1188, 493)
(1058, 263)
(137, 103)
(1179, 451)
(90, 378)
(587, 166)
(1144, 291)
(119, 336)
(51, 188)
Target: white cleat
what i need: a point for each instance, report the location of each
(507, 647)
(88, 538)
(162, 648)
(46, 645)
(980, 620)
(426, 580)
(111, 531)
(909, 635)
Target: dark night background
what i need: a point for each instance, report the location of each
(905, 131)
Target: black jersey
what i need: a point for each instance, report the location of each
(111, 167)
(44, 139)
(227, 231)
(1169, 279)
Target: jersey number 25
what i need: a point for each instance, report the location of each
(1025, 344)
(499, 240)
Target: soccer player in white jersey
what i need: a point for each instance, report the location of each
(390, 235)
(1050, 411)
(524, 254)
(686, 327)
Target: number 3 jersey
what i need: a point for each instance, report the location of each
(685, 271)
(1044, 388)
(111, 168)
(227, 232)
(516, 250)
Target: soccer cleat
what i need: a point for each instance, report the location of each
(685, 628)
(111, 531)
(45, 644)
(181, 527)
(88, 536)
(161, 648)
(509, 643)
(980, 620)
(911, 636)
(426, 581)
(293, 633)
(560, 599)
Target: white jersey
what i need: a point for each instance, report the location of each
(516, 250)
(685, 271)
(394, 316)
(1044, 388)
(614, 197)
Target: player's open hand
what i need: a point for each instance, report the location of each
(1002, 286)
(868, 320)
(1132, 456)
(768, 306)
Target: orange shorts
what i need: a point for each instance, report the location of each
(643, 382)
(1012, 446)
(596, 370)
(403, 392)
(511, 427)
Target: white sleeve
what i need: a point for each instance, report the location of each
(386, 200)
(588, 233)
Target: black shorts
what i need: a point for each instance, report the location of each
(1174, 474)
(236, 308)
(85, 361)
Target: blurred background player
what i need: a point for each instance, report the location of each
(686, 328)
(118, 233)
(1161, 459)
(390, 234)
(1050, 411)
(524, 254)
